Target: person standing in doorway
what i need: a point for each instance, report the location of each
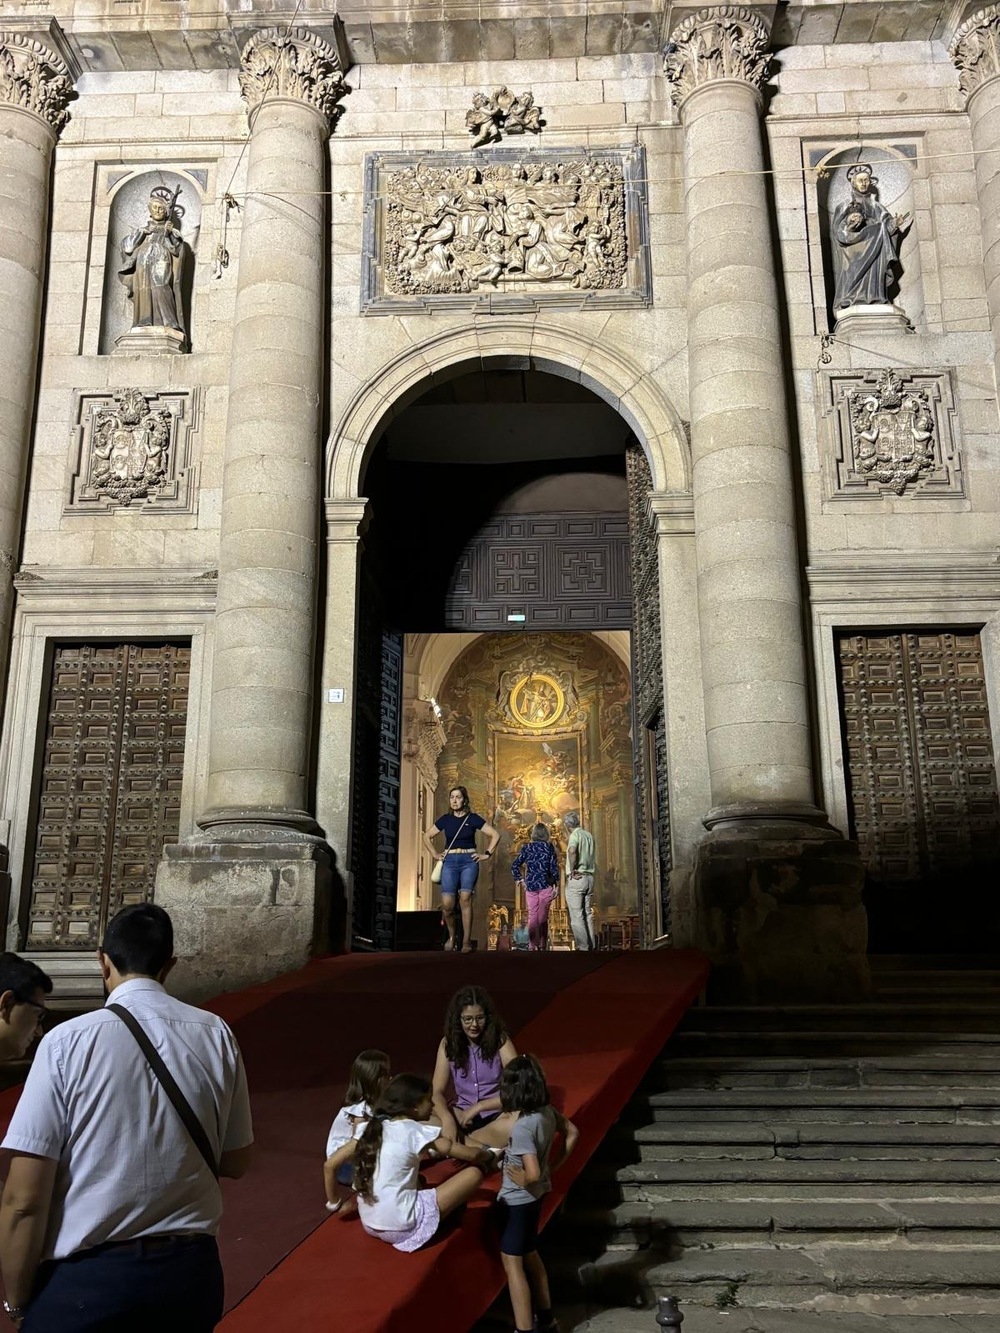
(112, 1201)
(537, 868)
(580, 870)
(460, 870)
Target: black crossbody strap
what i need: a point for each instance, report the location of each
(180, 1103)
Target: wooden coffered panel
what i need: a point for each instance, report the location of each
(921, 772)
(110, 785)
(558, 571)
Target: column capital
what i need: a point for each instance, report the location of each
(975, 49)
(291, 64)
(721, 43)
(34, 78)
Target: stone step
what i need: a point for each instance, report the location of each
(717, 1072)
(870, 1174)
(846, 1276)
(848, 1044)
(850, 1105)
(699, 1319)
(930, 1017)
(680, 1141)
(695, 1223)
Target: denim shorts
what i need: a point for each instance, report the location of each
(459, 874)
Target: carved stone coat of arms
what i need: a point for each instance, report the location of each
(892, 432)
(129, 449)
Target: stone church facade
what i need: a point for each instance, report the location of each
(233, 252)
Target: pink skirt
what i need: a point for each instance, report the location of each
(427, 1223)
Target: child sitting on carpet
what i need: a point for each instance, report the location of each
(386, 1160)
(524, 1091)
(370, 1074)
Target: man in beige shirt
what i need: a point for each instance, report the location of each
(580, 868)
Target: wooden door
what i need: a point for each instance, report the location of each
(922, 787)
(110, 785)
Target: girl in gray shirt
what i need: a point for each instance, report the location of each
(526, 1180)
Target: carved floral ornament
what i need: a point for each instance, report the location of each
(294, 64)
(727, 42)
(34, 78)
(975, 49)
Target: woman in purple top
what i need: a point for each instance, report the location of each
(471, 1056)
(537, 866)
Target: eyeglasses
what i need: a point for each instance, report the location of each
(41, 1011)
(473, 1020)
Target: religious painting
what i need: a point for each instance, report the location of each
(537, 725)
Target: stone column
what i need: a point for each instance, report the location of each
(35, 87)
(765, 868)
(265, 619)
(261, 839)
(975, 49)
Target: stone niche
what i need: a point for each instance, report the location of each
(134, 449)
(506, 229)
(894, 166)
(129, 192)
(891, 432)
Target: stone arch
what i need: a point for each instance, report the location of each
(512, 343)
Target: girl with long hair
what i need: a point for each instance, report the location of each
(460, 860)
(370, 1073)
(471, 1056)
(524, 1095)
(386, 1160)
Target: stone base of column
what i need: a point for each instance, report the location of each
(780, 912)
(244, 913)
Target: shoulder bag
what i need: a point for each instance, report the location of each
(438, 870)
(180, 1103)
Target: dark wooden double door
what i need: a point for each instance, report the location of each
(109, 788)
(922, 787)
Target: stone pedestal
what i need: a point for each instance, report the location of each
(749, 571)
(151, 341)
(243, 912)
(876, 319)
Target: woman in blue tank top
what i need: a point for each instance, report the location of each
(461, 860)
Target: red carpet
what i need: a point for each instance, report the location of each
(596, 1021)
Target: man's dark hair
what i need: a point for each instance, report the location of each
(139, 940)
(22, 978)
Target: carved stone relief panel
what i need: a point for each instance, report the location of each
(517, 229)
(134, 449)
(891, 432)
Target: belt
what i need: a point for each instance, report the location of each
(460, 851)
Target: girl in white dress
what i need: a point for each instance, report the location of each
(386, 1158)
(370, 1074)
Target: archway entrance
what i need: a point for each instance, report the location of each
(507, 503)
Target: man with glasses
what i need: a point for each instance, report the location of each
(23, 988)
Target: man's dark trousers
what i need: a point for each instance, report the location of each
(160, 1284)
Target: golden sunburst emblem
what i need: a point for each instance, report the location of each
(537, 701)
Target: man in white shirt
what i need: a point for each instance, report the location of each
(580, 870)
(110, 1210)
(23, 988)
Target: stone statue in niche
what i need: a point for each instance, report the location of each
(129, 448)
(505, 226)
(152, 273)
(867, 237)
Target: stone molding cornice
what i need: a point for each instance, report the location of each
(33, 78)
(726, 43)
(975, 49)
(292, 64)
(948, 578)
(672, 513)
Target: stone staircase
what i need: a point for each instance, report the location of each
(839, 1162)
